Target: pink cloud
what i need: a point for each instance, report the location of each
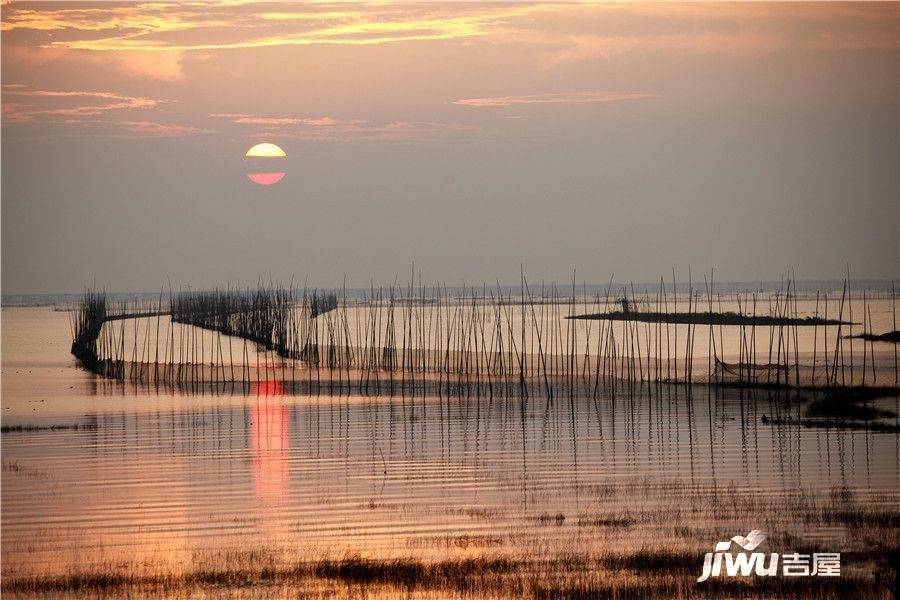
(78, 112)
(32, 105)
(334, 129)
(153, 129)
(245, 119)
(553, 98)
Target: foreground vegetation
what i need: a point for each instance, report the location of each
(632, 551)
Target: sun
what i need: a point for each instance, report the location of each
(265, 149)
(266, 159)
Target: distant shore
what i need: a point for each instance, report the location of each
(709, 318)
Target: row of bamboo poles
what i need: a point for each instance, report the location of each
(388, 339)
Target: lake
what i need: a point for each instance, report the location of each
(125, 489)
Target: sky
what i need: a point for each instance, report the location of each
(466, 138)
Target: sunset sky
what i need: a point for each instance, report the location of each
(469, 138)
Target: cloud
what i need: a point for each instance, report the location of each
(153, 129)
(84, 128)
(100, 18)
(553, 98)
(30, 105)
(245, 119)
(203, 26)
(77, 111)
(335, 129)
(738, 30)
(152, 38)
(745, 44)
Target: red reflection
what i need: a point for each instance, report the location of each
(267, 388)
(269, 440)
(265, 178)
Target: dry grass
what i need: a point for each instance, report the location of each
(58, 427)
(666, 567)
(643, 574)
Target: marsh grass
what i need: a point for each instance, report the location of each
(611, 521)
(892, 337)
(643, 574)
(672, 587)
(259, 568)
(57, 427)
(834, 423)
(864, 519)
(637, 554)
(846, 409)
(847, 404)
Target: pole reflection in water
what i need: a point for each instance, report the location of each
(430, 475)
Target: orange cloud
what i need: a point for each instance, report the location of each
(51, 103)
(553, 98)
(151, 38)
(194, 26)
(98, 17)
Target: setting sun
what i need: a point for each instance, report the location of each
(265, 149)
(268, 151)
